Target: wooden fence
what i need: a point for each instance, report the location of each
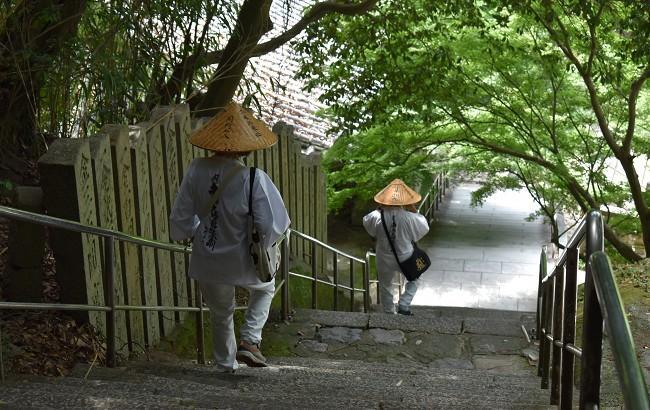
(126, 178)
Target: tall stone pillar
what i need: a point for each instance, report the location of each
(125, 205)
(166, 117)
(160, 222)
(103, 175)
(67, 182)
(144, 224)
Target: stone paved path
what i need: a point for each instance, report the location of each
(484, 257)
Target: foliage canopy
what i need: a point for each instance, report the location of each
(550, 94)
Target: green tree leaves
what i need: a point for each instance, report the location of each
(545, 86)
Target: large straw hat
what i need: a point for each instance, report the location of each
(397, 193)
(234, 129)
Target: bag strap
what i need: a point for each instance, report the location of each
(392, 247)
(250, 191)
(215, 196)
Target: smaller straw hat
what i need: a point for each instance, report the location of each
(397, 193)
(234, 129)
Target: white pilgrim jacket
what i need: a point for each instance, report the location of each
(220, 250)
(404, 227)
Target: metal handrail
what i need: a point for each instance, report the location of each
(556, 322)
(110, 307)
(335, 283)
(631, 377)
(326, 246)
(54, 222)
(438, 188)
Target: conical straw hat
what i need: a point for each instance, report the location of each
(234, 129)
(397, 193)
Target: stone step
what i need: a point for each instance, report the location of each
(289, 383)
(427, 319)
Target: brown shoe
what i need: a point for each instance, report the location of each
(250, 354)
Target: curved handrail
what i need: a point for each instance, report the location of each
(630, 375)
(556, 321)
(54, 222)
(326, 246)
(111, 307)
(574, 241)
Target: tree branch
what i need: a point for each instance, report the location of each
(315, 13)
(185, 68)
(635, 89)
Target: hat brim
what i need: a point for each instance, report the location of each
(234, 130)
(397, 193)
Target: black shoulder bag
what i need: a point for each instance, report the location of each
(416, 264)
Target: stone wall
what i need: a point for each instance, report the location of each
(126, 178)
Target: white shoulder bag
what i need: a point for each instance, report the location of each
(266, 261)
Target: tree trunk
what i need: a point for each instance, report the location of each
(624, 249)
(252, 22)
(581, 195)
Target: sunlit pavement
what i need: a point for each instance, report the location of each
(484, 257)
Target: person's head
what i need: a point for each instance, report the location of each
(396, 195)
(233, 132)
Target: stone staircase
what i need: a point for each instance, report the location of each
(441, 358)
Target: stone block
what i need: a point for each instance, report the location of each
(166, 118)
(68, 193)
(388, 337)
(314, 346)
(492, 327)
(103, 176)
(415, 323)
(487, 344)
(338, 335)
(144, 223)
(502, 364)
(125, 207)
(451, 363)
(332, 318)
(160, 223)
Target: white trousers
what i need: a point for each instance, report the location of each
(389, 288)
(220, 298)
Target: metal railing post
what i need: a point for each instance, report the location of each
(285, 277)
(592, 334)
(366, 285)
(335, 272)
(2, 363)
(314, 289)
(443, 174)
(569, 331)
(200, 328)
(544, 343)
(538, 314)
(630, 373)
(351, 285)
(109, 266)
(435, 195)
(558, 311)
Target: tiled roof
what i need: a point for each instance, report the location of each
(284, 99)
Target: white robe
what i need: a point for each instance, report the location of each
(220, 248)
(409, 226)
